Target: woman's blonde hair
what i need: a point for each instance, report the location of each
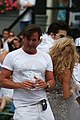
(64, 55)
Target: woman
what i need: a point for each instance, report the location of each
(64, 57)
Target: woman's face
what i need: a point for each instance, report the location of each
(16, 44)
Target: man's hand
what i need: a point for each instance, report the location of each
(27, 85)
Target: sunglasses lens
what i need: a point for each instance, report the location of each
(61, 36)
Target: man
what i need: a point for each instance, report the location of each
(30, 74)
(55, 31)
(5, 39)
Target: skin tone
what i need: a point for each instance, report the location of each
(31, 44)
(59, 34)
(5, 35)
(65, 80)
(29, 47)
(16, 44)
(3, 103)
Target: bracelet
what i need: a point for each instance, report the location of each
(72, 91)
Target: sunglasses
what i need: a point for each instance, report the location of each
(61, 36)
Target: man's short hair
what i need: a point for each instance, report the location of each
(56, 26)
(31, 29)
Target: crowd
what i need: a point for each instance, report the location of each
(35, 63)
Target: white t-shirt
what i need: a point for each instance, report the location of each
(77, 41)
(24, 67)
(27, 17)
(5, 45)
(46, 44)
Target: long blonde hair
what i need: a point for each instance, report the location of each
(64, 55)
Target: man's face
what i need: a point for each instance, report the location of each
(5, 35)
(30, 44)
(60, 34)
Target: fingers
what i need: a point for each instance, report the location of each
(27, 85)
(40, 84)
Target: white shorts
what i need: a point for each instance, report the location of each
(33, 112)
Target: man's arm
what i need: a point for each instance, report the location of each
(6, 81)
(50, 81)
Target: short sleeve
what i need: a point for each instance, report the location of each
(7, 63)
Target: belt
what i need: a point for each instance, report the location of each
(43, 103)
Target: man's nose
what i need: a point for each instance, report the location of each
(30, 42)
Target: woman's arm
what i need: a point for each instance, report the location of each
(66, 81)
(3, 103)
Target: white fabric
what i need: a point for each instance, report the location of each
(46, 44)
(77, 41)
(24, 67)
(27, 17)
(33, 113)
(76, 75)
(73, 106)
(6, 92)
(1, 94)
(5, 45)
(1, 51)
(76, 72)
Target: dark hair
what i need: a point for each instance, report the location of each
(5, 29)
(1, 43)
(56, 26)
(30, 29)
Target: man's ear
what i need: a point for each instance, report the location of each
(40, 40)
(52, 35)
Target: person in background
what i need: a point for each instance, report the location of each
(55, 31)
(3, 53)
(64, 56)
(2, 100)
(27, 18)
(32, 74)
(14, 44)
(62, 14)
(11, 35)
(5, 103)
(5, 39)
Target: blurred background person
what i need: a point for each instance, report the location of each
(2, 100)
(3, 53)
(62, 14)
(11, 35)
(5, 39)
(15, 43)
(55, 31)
(27, 18)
